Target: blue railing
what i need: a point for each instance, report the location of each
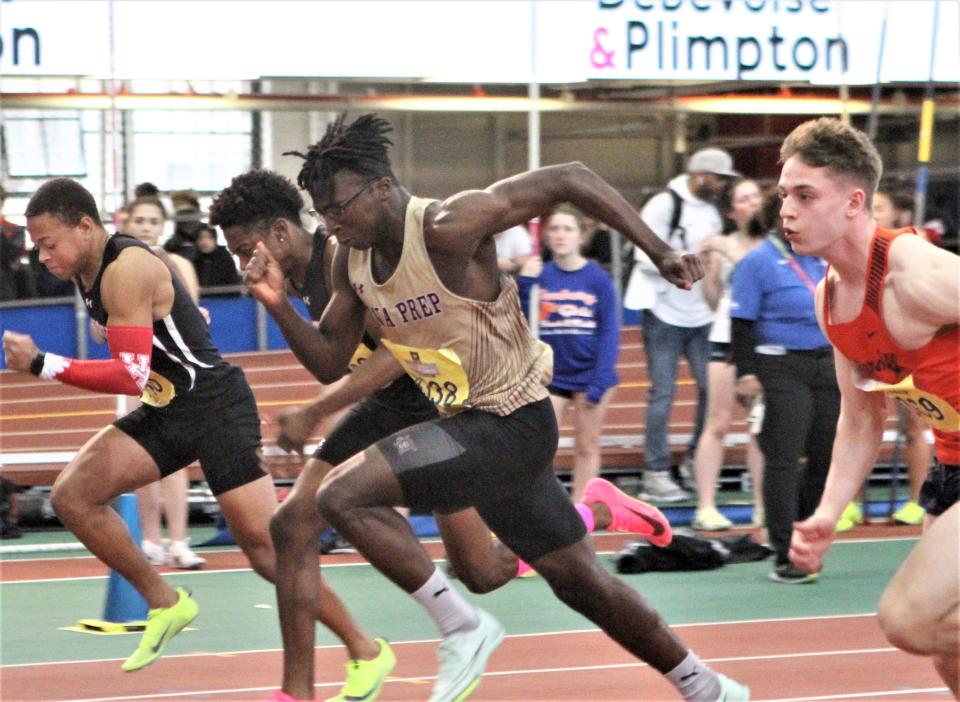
(61, 325)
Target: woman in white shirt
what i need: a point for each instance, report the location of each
(720, 254)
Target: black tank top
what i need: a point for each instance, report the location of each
(183, 359)
(401, 393)
(314, 292)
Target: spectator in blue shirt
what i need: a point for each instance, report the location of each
(578, 319)
(784, 361)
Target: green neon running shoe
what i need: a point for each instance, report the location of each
(366, 678)
(163, 624)
(849, 518)
(910, 513)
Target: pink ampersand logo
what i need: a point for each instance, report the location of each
(600, 57)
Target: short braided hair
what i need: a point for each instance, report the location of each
(257, 196)
(360, 147)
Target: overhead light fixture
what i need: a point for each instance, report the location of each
(469, 103)
(773, 105)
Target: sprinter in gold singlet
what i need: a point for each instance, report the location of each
(427, 271)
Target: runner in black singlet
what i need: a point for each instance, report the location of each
(195, 407)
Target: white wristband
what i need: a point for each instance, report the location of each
(53, 365)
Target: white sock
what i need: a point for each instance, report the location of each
(695, 681)
(449, 610)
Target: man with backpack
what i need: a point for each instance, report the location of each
(678, 321)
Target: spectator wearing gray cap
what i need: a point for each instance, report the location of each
(678, 322)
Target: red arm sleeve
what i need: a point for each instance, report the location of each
(126, 373)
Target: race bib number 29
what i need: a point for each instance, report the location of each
(438, 373)
(933, 409)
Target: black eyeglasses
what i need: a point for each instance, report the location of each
(336, 209)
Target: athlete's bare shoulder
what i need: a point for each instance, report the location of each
(136, 286)
(923, 280)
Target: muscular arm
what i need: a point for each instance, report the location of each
(134, 289)
(464, 220)
(859, 431)
(297, 426)
(379, 370)
(855, 449)
(857, 443)
(325, 351)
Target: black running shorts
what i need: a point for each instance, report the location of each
(222, 431)
(560, 392)
(369, 421)
(503, 466)
(941, 489)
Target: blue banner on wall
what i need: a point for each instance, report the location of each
(233, 326)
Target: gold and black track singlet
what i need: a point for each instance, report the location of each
(461, 353)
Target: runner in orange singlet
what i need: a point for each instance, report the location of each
(890, 307)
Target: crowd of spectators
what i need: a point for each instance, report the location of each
(184, 233)
(747, 332)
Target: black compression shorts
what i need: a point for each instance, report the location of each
(503, 466)
(222, 431)
(369, 421)
(941, 489)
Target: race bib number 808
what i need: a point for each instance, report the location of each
(438, 373)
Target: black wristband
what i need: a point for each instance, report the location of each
(36, 365)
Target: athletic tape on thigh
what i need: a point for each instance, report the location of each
(420, 445)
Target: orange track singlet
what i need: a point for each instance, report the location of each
(926, 380)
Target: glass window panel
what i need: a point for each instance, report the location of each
(45, 147)
(204, 162)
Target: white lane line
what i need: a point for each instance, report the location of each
(563, 670)
(859, 695)
(567, 632)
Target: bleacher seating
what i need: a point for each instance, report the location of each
(42, 424)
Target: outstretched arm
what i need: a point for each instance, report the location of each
(131, 288)
(297, 425)
(325, 351)
(855, 450)
(463, 220)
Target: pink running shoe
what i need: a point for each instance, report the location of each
(281, 696)
(525, 570)
(628, 513)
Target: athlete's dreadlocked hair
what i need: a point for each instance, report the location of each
(360, 147)
(254, 197)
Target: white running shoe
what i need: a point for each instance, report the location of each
(732, 691)
(463, 656)
(180, 556)
(154, 552)
(658, 486)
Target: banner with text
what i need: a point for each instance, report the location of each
(475, 41)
